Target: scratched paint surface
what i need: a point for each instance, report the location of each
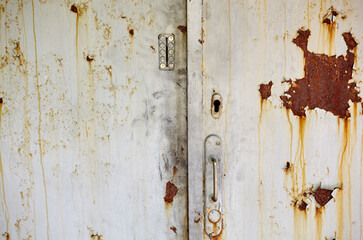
(91, 131)
(287, 175)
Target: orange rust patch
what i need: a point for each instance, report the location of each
(170, 192)
(265, 90)
(173, 228)
(323, 196)
(183, 29)
(175, 170)
(326, 84)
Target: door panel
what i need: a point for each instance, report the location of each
(292, 157)
(92, 131)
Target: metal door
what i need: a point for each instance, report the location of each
(279, 83)
(93, 133)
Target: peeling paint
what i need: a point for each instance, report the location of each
(265, 90)
(326, 84)
(170, 192)
(323, 196)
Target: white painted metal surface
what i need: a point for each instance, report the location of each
(233, 47)
(91, 129)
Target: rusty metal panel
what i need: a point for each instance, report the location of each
(291, 123)
(93, 134)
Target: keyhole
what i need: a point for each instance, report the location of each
(216, 104)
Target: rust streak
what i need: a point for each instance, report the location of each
(5, 205)
(40, 120)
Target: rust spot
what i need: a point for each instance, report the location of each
(201, 41)
(327, 21)
(175, 170)
(170, 192)
(323, 196)
(183, 29)
(131, 31)
(90, 58)
(6, 235)
(265, 90)
(152, 47)
(326, 84)
(303, 206)
(1, 100)
(96, 236)
(173, 228)
(74, 8)
(288, 165)
(196, 220)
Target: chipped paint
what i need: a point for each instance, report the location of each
(170, 192)
(327, 83)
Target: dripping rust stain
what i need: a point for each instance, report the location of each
(173, 228)
(265, 90)
(40, 121)
(170, 192)
(2, 179)
(183, 29)
(326, 84)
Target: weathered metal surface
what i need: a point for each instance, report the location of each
(289, 173)
(91, 130)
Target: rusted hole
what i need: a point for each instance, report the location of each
(173, 228)
(170, 192)
(131, 31)
(330, 16)
(74, 8)
(288, 165)
(265, 90)
(216, 105)
(90, 58)
(326, 84)
(201, 41)
(1, 100)
(323, 196)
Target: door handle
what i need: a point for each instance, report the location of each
(214, 161)
(213, 186)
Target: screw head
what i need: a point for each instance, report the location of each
(171, 38)
(162, 65)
